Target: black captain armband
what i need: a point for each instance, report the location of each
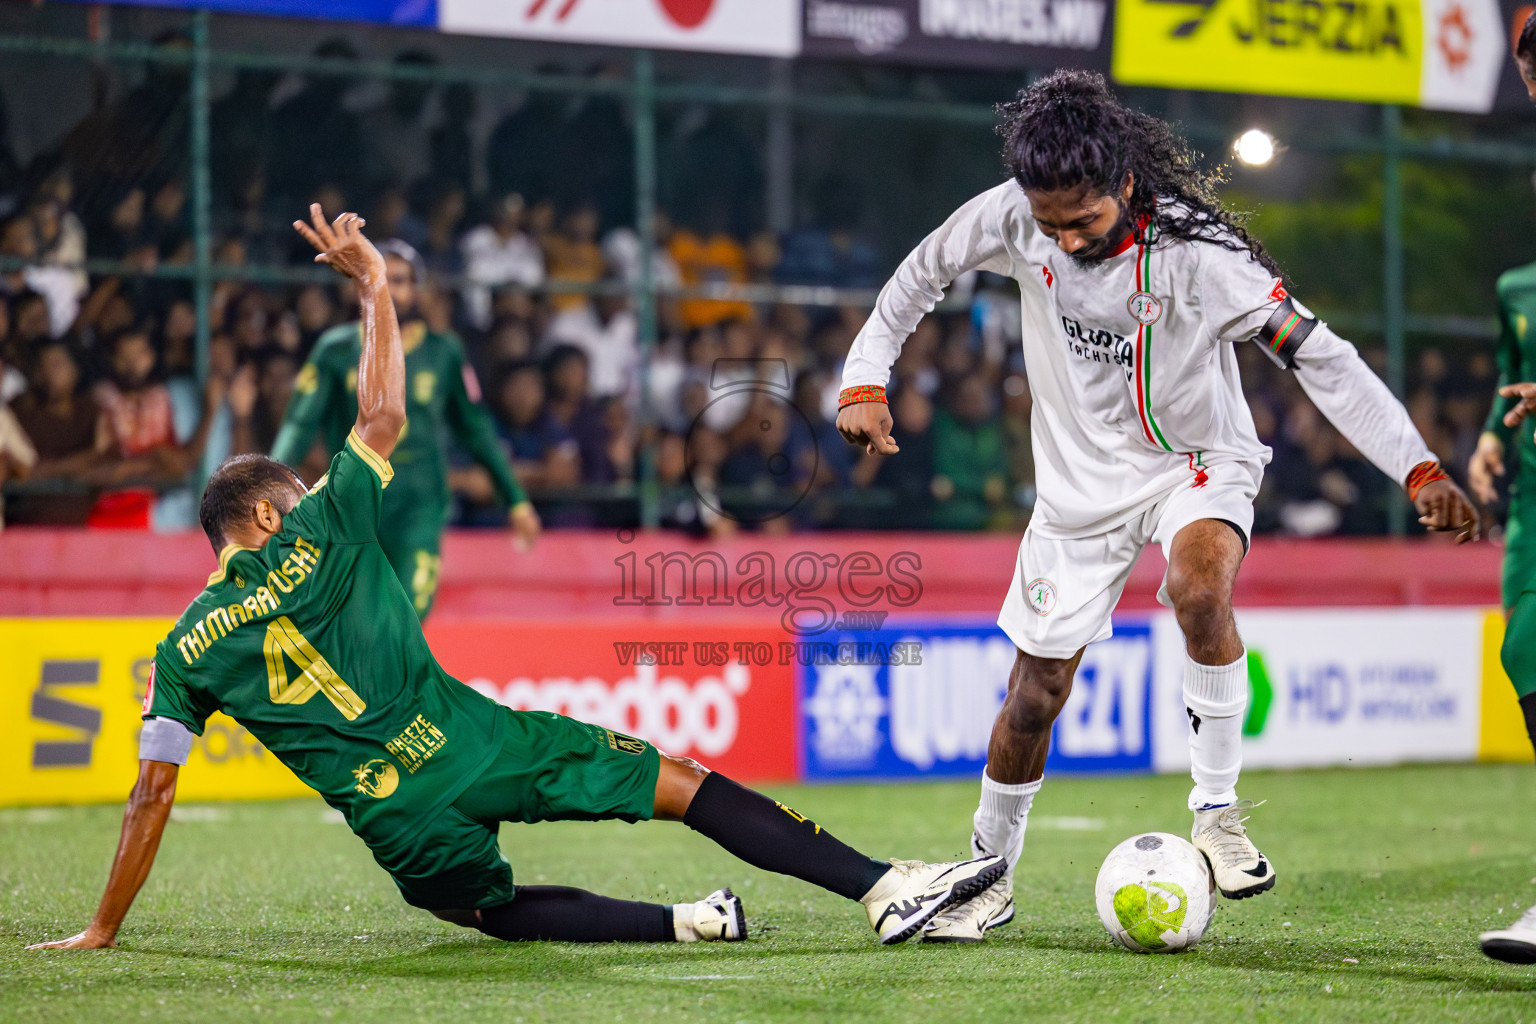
(1287, 327)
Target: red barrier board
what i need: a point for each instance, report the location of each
(590, 575)
(663, 683)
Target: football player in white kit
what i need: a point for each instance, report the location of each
(1136, 288)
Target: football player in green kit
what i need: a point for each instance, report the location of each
(1499, 442)
(306, 637)
(440, 392)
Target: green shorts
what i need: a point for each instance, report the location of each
(550, 768)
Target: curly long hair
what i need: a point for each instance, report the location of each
(1068, 130)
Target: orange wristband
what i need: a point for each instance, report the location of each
(862, 393)
(1423, 474)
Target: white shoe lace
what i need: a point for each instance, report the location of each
(1228, 836)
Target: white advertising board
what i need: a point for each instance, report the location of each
(769, 28)
(1339, 687)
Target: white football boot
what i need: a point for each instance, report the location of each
(1515, 944)
(1240, 869)
(970, 921)
(912, 893)
(718, 917)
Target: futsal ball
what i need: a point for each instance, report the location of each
(1155, 894)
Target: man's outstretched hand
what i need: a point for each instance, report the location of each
(868, 424)
(1442, 506)
(1527, 394)
(88, 939)
(343, 245)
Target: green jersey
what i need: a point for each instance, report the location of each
(311, 643)
(1517, 362)
(440, 392)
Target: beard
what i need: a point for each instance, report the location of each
(1097, 252)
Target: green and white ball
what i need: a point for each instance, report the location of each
(1155, 894)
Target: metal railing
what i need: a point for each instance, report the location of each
(645, 92)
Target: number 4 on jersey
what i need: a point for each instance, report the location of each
(283, 638)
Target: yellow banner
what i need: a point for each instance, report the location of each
(75, 687)
(1333, 49)
(1502, 736)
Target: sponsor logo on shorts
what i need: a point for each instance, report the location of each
(376, 778)
(1146, 308)
(1042, 596)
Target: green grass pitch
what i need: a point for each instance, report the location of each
(272, 912)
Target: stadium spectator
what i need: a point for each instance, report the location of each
(499, 253)
(398, 127)
(452, 149)
(240, 133)
(543, 452)
(608, 333)
(705, 258)
(67, 430)
(440, 249)
(316, 139)
(909, 480)
(391, 216)
(830, 253)
(144, 134)
(17, 455)
(574, 256)
(969, 457)
(1017, 406)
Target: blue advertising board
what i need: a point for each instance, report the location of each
(930, 712)
(422, 13)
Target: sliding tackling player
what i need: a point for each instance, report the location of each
(305, 636)
(1136, 289)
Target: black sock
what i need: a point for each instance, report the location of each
(562, 914)
(770, 836)
(1528, 705)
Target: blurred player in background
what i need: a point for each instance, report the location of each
(1136, 288)
(305, 637)
(1517, 362)
(442, 397)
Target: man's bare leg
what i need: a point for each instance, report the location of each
(1021, 738)
(1202, 569)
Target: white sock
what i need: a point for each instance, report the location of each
(682, 923)
(1215, 697)
(1000, 819)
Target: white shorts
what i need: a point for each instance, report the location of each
(1064, 588)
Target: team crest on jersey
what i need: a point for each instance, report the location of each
(1042, 596)
(1146, 308)
(377, 778)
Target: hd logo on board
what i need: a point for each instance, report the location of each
(934, 715)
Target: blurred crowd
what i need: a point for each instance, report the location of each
(105, 417)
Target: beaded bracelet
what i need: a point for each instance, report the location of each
(862, 393)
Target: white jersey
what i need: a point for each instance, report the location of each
(1131, 361)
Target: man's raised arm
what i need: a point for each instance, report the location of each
(381, 369)
(149, 805)
(971, 239)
